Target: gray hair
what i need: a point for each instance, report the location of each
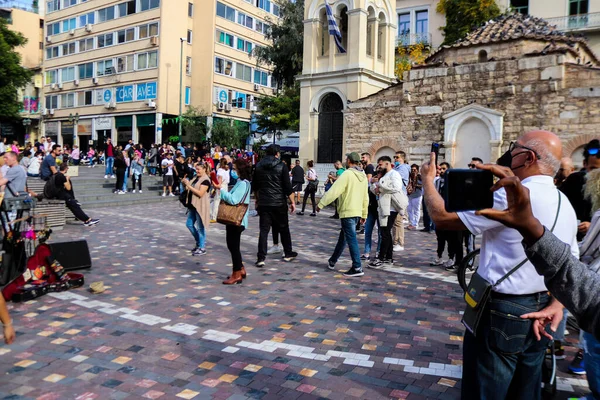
(548, 163)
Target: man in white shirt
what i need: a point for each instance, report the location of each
(48, 145)
(505, 357)
(167, 167)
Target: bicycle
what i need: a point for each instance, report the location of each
(467, 268)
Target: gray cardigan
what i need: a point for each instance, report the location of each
(568, 279)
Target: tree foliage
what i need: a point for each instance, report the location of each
(12, 75)
(286, 34)
(407, 56)
(462, 16)
(280, 112)
(193, 124)
(224, 133)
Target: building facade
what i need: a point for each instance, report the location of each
(22, 17)
(126, 69)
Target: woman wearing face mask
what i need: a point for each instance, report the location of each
(34, 166)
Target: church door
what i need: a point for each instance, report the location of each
(331, 129)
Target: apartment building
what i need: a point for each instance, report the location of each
(112, 68)
(418, 20)
(22, 17)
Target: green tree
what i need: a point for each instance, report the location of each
(193, 124)
(462, 16)
(12, 75)
(224, 133)
(281, 111)
(286, 34)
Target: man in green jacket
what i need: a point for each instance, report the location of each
(351, 191)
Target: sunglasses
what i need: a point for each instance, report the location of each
(396, 157)
(515, 145)
(471, 165)
(593, 152)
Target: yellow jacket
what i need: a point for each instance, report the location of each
(351, 190)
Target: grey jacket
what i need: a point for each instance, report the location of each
(568, 279)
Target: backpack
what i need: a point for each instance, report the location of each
(51, 191)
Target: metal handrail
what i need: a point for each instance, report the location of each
(407, 39)
(576, 22)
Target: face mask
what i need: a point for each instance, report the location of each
(234, 175)
(396, 163)
(506, 161)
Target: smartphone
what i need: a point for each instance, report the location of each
(468, 190)
(435, 148)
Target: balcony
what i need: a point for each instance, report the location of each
(407, 39)
(582, 22)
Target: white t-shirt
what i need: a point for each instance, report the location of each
(501, 248)
(169, 164)
(221, 173)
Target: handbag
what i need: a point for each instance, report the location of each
(479, 290)
(233, 214)
(313, 185)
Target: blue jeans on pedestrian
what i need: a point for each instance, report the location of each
(591, 361)
(125, 179)
(347, 235)
(110, 162)
(194, 224)
(504, 360)
(372, 219)
(427, 221)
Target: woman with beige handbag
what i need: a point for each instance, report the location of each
(233, 212)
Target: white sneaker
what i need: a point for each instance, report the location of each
(397, 247)
(133, 191)
(275, 250)
(164, 195)
(112, 176)
(171, 194)
(140, 191)
(105, 176)
(449, 263)
(437, 261)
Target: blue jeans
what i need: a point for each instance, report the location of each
(125, 179)
(194, 224)
(347, 235)
(110, 162)
(591, 361)
(427, 221)
(152, 170)
(505, 360)
(372, 219)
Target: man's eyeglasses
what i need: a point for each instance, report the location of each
(396, 157)
(515, 145)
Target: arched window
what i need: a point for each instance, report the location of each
(343, 26)
(381, 37)
(483, 56)
(331, 129)
(323, 36)
(370, 38)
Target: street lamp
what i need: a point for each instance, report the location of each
(27, 124)
(180, 83)
(74, 119)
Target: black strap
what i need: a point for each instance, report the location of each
(9, 188)
(509, 273)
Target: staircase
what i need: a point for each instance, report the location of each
(93, 191)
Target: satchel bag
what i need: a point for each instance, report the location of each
(479, 291)
(233, 214)
(313, 185)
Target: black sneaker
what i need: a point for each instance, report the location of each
(452, 268)
(260, 263)
(300, 213)
(361, 232)
(365, 257)
(335, 216)
(290, 256)
(330, 265)
(376, 263)
(199, 252)
(194, 249)
(354, 272)
(313, 214)
(388, 262)
(91, 222)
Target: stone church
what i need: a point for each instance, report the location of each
(515, 74)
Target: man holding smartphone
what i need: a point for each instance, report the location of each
(503, 358)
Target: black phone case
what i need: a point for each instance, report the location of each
(459, 195)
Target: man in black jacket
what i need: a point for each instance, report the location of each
(272, 188)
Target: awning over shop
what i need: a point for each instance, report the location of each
(146, 120)
(287, 144)
(125, 121)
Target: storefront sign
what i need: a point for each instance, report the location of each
(103, 123)
(51, 128)
(84, 127)
(223, 96)
(7, 129)
(107, 95)
(66, 128)
(124, 94)
(146, 91)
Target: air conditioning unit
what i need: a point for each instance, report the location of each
(72, 32)
(110, 105)
(88, 28)
(221, 105)
(51, 111)
(275, 91)
(53, 86)
(44, 112)
(76, 82)
(48, 39)
(60, 86)
(95, 81)
(256, 87)
(154, 40)
(253, 108)
(228, 107)
(151, 103)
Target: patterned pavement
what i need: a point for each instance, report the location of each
(166, 327)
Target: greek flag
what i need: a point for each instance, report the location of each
(333, 29)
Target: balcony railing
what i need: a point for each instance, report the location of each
(407, 39)
(576, 22)
(27, 5)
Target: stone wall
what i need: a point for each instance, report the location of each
(542, 92)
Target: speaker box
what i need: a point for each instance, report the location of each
(72, 255)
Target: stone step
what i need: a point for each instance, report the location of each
(126, 200)
(85, 197)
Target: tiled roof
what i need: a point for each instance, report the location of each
(511, 27)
